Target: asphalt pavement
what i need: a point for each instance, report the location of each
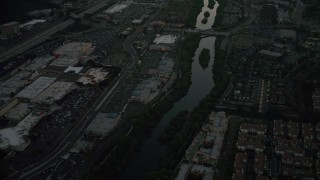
(35, 40)
(76, 133)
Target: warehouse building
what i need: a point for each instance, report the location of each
(146, 91)
(65, 61)
(165, 68)
(35, 88)
(39, 63)
(14, 138)
(18, 112)
(54, 92)
(103, 124)
(74, 49)
(15, 83)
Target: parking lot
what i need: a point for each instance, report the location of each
(52, 129)
(105, 39)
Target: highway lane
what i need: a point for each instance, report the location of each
(69, 140)
(108, 144)
(76, 133)
(37, 39)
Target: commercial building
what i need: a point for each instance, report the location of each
(146, 91)
(72, 69)
(103, 124)
(39, 63)
(117, 8)
(15, 83)
(82, 146)
(54, 92)
(165, 39)
(74, 49)
(18, 112)
(65, 61)
(165, 68)
(35, 88)
(9, 29)
(94, 76)
(14, 138)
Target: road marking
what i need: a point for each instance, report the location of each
(44, 163)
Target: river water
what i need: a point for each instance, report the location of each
(202, 83)
(211, 18)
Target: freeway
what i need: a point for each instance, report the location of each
(76, 133)
(35, 40)
(105, 146)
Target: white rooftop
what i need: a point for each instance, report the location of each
(165, 39)
(117, 8)
(13, 137)
(73, 69)
(33, 22)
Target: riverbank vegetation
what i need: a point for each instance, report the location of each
(144, 123)
(193, 14)
(190, 125)
(204, 20)
(211, 4)
(206, 14)
(220, 13)
(204, 58)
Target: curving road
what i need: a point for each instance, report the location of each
(35, 40)
(76, 133)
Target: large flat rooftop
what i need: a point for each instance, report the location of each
(65, 61)
(35, 88)
(55, 92)
(165, 39)
(103, 124)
